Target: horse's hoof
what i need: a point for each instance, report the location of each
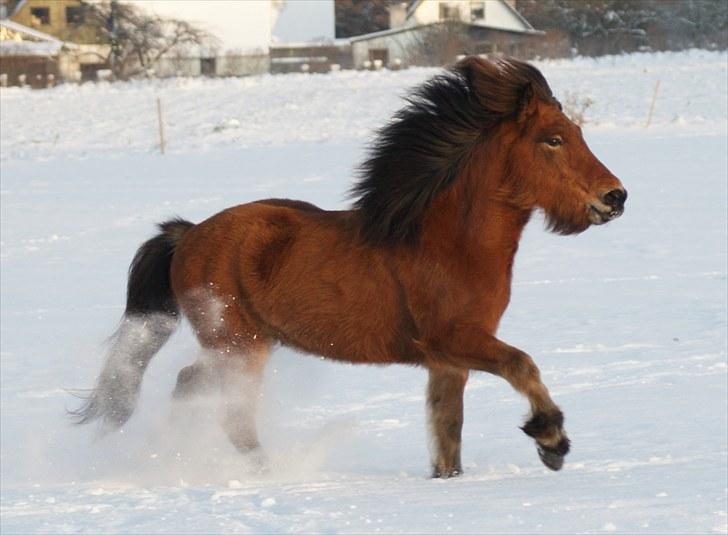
(551, 459)
(446, 474)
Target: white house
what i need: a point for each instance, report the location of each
(495, 14)
(484, 27)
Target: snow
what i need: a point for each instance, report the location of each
(627, 321)
(344, 106)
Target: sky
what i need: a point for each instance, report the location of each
(305, 20)
(253, 24)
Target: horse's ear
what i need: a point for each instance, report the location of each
(527, 103)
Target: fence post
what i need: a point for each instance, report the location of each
(652, 105)
(161, 125)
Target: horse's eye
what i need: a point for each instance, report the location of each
(554, 141)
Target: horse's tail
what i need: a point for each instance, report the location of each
(150, 318)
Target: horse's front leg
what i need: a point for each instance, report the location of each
(445, 411)
(468, 346)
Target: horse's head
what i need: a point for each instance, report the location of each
(483, 117)
(549, 164)
(568, 182)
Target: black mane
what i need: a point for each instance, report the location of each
(422, 150)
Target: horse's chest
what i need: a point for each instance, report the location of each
(495, 294)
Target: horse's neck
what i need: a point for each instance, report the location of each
(469, 239)
(474, 223)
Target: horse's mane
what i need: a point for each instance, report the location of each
(422, 150)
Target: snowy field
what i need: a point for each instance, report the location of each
(627, 321)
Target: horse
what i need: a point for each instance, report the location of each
(417, 272)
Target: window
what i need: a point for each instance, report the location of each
(379, 57)
(208, 66)
(40, 15)
(381, 54)
(477, 11)
(89, 71)
(448, 12)
(74, 15)
(485, 48)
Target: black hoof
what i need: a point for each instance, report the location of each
(553, 458)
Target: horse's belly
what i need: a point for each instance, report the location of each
(337, 306)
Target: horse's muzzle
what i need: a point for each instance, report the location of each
(609, 207)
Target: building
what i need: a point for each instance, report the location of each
(84, 52)
(496, 14)
(30, 57)
(437, 31)
(310, 57)
(422, 32)
(62, 19)
(201, 62)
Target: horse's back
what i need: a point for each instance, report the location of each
(301, 274)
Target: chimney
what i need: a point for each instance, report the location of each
(397, 15)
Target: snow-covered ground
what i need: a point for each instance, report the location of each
(627, 321)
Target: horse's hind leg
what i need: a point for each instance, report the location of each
(235, 356)
(445, 407)
(241, 377)
(237, 377)
(196, 379)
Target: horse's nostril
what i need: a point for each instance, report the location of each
(615, 198)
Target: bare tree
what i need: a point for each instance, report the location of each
(440, 44)
(138, 40)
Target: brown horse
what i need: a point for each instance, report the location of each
(418, 272)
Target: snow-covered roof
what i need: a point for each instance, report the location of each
(517, 13)
(29, 48)
(28, 41)
(30, 32)
(390, 31)
(411, 8)
(394, 31)
(338, 42)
